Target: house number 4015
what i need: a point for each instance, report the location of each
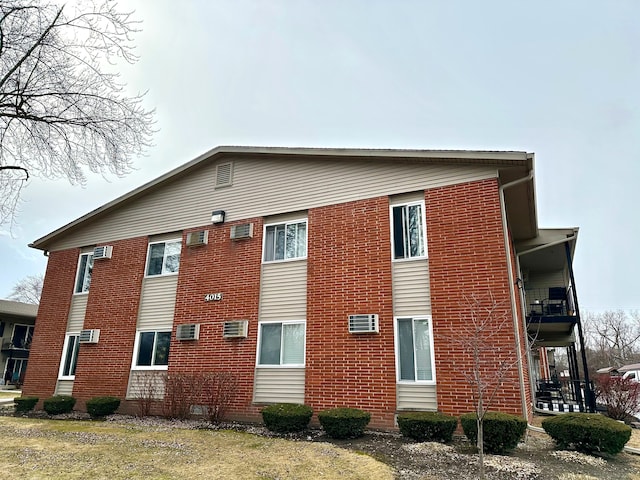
(212, 297)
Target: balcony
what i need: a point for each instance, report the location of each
(551, 316)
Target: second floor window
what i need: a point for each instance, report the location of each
(164, 257)
(409, 234)
(83, 278)
(285, 241)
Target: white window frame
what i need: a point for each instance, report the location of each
(164, 258)
(6, 366)
(286, 224)
(75, 285)
(424, 230)
(396, 339)
(136, 350)
(65, 348)
(283, 323)
(13, 335)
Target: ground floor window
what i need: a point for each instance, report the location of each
(14, 371)
(414, 349)
(69, 357)
(281, 343)
(152, 350)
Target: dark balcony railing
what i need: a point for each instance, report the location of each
(563, 393)
(549, 302)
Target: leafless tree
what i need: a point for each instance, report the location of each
(63, 108)
(613, 338)
(28, 290)
(484, 320)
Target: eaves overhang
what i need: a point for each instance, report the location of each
(504, 161)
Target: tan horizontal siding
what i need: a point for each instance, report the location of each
(77, 311)
(279, 385)
(416, 397)
(266, 187)
(157, 303)
(411, 291)
(146, 384)
(283, 291)
(64, 387)
(547, 279)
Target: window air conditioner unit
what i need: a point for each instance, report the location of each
(188, 331)
(235, 329)
(363, 323)
(90, 336)
(244, 230)
(102, 252)
(195, 239)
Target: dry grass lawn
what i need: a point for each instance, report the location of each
(50, 449)
(8, 394)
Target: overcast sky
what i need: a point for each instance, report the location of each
(557, 78)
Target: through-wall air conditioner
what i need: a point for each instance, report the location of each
(102, 252)
(90, 336)
(188, 331)
(367, 323)
(235, 329)
(195, 239)
(244, 230)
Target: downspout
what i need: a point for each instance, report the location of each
(523, 312)
(514, 311)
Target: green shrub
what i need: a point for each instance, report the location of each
(501, 431)
(344, 422)
(286, 417)
(102, 406)
(58, 404)
(427, 426)
(25, 404)
(587, 432)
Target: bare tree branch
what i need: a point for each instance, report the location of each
(63, 108)
(28, 290)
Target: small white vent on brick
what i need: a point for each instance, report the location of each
(104, 251)
(188, 331)
(365, 323)
(195, 239)
(235, 329)
(90, 336)
(244, 230)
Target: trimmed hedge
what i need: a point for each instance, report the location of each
(501, 431)
(286, 417)
(427, 426)
(102, 406)
(58, 404)
(344, 422)
(25, 404)
(587, 432)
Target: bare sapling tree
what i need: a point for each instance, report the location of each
(28, 290)
(491, 362)
(63, 107)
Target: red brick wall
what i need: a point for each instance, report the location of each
(467, 258)
(231, 267)
(112, 306)
(51, 324)
(349, 272)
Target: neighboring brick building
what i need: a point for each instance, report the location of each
(324, 276)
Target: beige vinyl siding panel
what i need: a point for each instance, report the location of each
(64, 387)
(411, 290)
(416, 397)
(146, 384)
(543, 280)
(157, 303)
(266, 187)
(279, 385)
(77, 311)
(283, 291)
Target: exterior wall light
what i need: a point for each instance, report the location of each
(217, 216)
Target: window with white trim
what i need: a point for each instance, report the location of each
(408, 231)
(151, 350)
(163, 258)
(414, 349)
(285, 241)
(22, 336)
(69, 357)
(281, 343)
(83, 277)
